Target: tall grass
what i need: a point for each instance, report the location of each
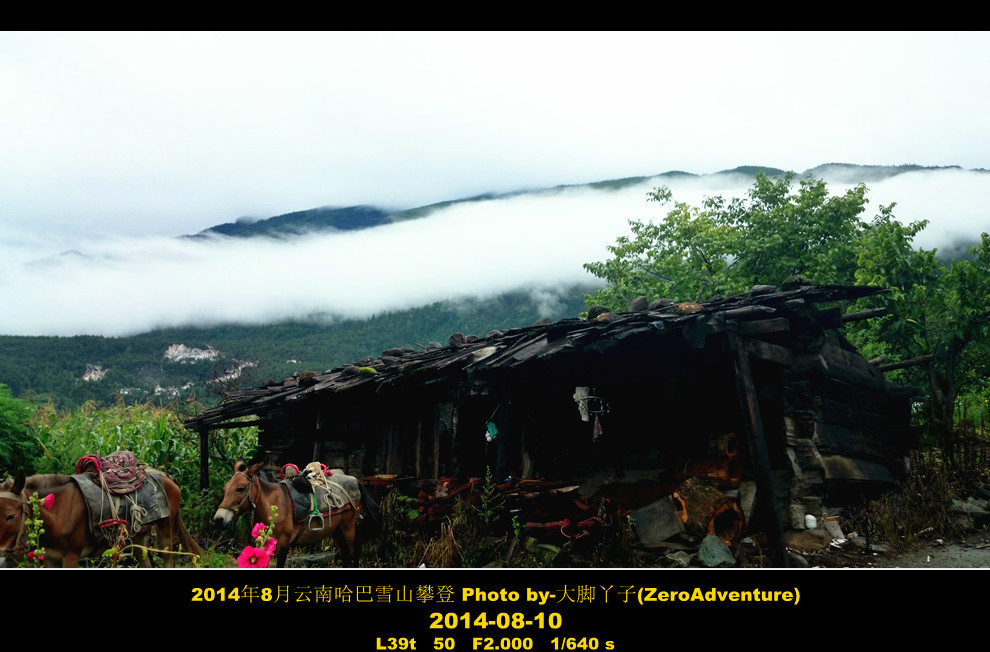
(921, 508)
(155, 434)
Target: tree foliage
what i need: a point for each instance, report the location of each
(726, 247)
(937, 311)
(778, 231)
(17, 445)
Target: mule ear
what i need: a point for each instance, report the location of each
(254, 469)
(18, 482)
(240, 466)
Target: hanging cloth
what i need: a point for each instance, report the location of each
(491, 430)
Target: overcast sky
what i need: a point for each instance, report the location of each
(111, 143)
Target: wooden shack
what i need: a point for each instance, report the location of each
(621, 397)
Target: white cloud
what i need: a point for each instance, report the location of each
(171, 132)
(147, 135)
(126, 285)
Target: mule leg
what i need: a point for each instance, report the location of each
(168, 542)
(139, 547)
(341, 542)
(165, 545)
(281, 552)
(145, 561)
(344, 537)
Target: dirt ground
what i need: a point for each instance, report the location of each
(970, 551)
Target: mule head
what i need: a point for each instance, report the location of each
(15, 484)
(237, 494)
(11, 511)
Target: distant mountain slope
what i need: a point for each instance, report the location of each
(71, 370)
(301, 222)
(850, 173)
(362, 217)
(174, 363)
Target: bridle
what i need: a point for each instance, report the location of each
(247, 497)
(25, 505)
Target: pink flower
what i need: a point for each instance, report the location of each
(253, 558)
(270, 545)
(258, 529)
(49, 501)
(31, 556)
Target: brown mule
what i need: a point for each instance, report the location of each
(67, 537)
(247, 492)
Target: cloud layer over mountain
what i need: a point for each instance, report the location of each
(540, 240)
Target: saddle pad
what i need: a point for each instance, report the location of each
(349, 487)
(137, 509)
(328, 501)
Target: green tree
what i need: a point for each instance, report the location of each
(17, 446)
(938, 312)
(938, 317)
(726, 247)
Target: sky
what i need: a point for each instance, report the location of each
(113, 143)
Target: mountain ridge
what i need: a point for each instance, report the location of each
(362, 216)
(74, 369)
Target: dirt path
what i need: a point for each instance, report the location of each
(971, 551)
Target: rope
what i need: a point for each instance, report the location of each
(112, 502)
(318, 479)
(137, 514)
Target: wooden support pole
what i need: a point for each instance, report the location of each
(204, 458)
(234, 425)
(766, 351)
(506, 450)
(765, 326)
(760, 456)
(904, 364)
(865, 314)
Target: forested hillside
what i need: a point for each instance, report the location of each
(135, 368)
(300, 222)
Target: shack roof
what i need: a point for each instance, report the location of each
(543, 341)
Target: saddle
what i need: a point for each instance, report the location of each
(119, 473)
(319, 493)
(120, 492)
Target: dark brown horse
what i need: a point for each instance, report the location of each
(248, 493)
(68, 537)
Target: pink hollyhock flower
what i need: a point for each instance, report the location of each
(31, 555)
(258, 529)
(49, 501)
(270, 545)
(253, 558)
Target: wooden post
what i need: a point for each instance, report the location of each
(204, 458)
(864, 314)
(749, 403)
(507, 423)
(904, 364)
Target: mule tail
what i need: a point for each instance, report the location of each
(372, 513)
(186, 539)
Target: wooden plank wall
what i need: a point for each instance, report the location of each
(844, 424)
